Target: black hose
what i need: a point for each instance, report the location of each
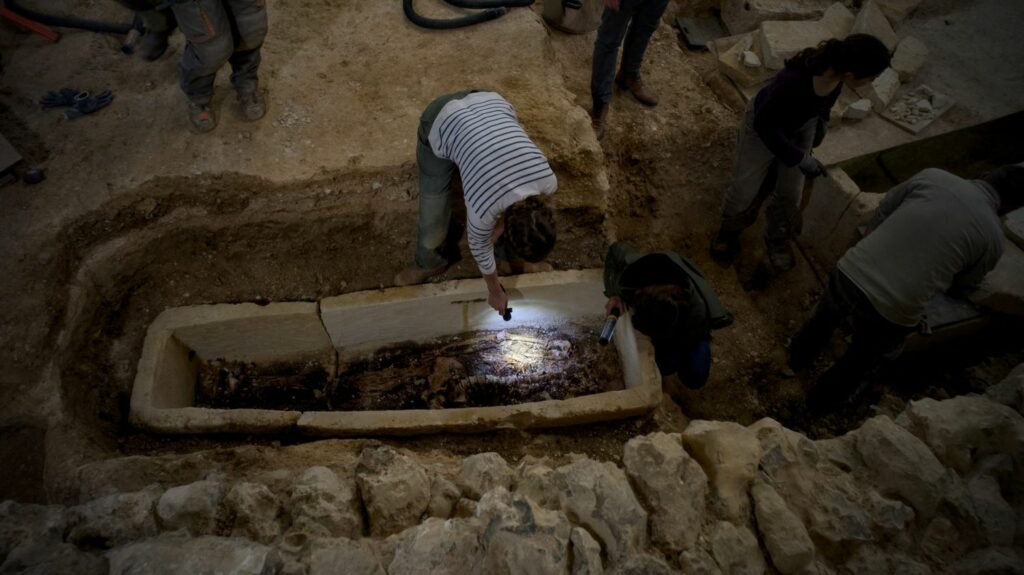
(68, 21)
(492, 9)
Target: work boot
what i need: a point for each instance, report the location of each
(781, 256)
(414, 275)
(635, 86)
(599, 119)
(725, 247)
(252, 104)
(201, 117)
(153, 45)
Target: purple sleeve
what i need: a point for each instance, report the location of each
(780, 100)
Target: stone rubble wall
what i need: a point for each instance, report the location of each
(938, 489)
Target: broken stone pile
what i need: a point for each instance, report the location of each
(940, 488)
(767, 32)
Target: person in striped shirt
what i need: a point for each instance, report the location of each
(505, 179)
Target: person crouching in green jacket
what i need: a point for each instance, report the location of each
(669, 301)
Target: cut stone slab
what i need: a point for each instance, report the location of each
(839, 20)
(1013, 226)
(1002, 289)
(835, 215)
(871, 20)
(858, 110)
(882, 89)
(745, 15)
(910, 55)
(783, 39)
(902, 464)
(897, 10)
(175, 555)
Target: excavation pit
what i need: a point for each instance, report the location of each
(397, 361)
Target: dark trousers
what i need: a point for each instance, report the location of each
(874, 340)
(636, 21)
(155, 21)
(692, 362)
(220, 31)
(434, 223)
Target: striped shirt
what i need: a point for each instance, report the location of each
(498, 162)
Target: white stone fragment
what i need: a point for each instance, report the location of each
(910, 55)
(839, 20)
(882, 90)
(751, 60)
(871, 20)
(858, 110)
(783, 39)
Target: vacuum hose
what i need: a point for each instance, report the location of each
(68, 21)
(493, 9)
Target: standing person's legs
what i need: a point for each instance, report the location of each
(249, 18)
(645, 21)
(740, 207)
(435, 211)
(210, 43)
(833, 307)
(606, 50)
(784, 206)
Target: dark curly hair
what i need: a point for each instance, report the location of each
(862, 55)
(656, 309)
(530, 229)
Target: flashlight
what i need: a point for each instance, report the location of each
(507, 314)
(609, 326)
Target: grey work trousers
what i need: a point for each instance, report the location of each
(434, 223)
(754, 162)
(636, 21)
(220, 31)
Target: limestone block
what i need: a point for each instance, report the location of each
(910, 55)
(897, 10)
(443, 496)
(782, 448)
(882, 89)
(698, 562)
(871, 20)
(115, 519)
(673, 485)
(193, 507)
(395, 489)
(535, 480)
(643, 565)
(966, 428)
(789, 546)
(437, 546)
(729, 454)
(1013, 225)
(745, 15)
(858, 110)
(828, 200)
(901, 464)
(482, 472)
(1002, 290)
(783, 39)
(851, 226)
(733, 62)
(736, 550)
(331, 556)
(522, 537)
(887, 515)
(586, 553)
(997, 518)
(51, 558)
(873, 559)
(255, 510)
(322, 505)
(841, 452)
(839, 20)
(598, 497)
(990, 560)
(176, 555)
(21, 523)
(1010, 391)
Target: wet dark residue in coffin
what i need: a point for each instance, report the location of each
(474, 369)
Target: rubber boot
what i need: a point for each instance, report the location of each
(153, 45)
(253, 105)
(725, 247)
(201, 117)
(599, 120)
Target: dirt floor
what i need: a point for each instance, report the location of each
(318, 199)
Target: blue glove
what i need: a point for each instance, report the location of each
(811, 167)
(64, 98)
(88, 104)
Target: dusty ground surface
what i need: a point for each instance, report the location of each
(318, 199)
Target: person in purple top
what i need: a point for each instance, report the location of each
(782, 124)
